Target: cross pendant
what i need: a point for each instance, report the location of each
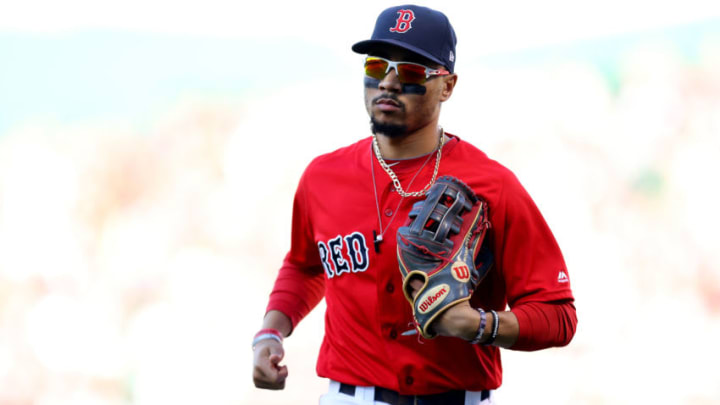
(376, 241)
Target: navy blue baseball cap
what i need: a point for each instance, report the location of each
(421, 30)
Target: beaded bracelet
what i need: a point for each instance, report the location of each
(481, 328)
(495, 327)
(267, 333)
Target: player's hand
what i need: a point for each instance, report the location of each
(460, 320)
(267, 371)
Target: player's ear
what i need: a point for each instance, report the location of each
(449, 83)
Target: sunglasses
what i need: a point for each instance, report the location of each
(407, 72)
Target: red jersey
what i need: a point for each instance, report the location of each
(332, 255)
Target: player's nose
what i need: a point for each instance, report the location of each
(390, 82)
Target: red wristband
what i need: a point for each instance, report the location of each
(269, 331)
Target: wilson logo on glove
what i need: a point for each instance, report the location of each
(442, 242)
(461, 271)
(433, 297)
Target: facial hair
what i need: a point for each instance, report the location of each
(389, 130)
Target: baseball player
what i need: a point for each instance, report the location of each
(430, 256)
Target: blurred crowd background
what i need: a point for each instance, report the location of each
(149, 152)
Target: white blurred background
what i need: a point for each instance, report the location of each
(149, 151)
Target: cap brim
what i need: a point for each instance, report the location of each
(369, 45)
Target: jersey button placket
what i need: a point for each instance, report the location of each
(388, 212)
(390, 287)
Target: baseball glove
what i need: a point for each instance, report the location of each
(438, 245)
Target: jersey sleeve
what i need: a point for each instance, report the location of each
(532, 271)
(544, 325)
(300, 283)
(530, 261)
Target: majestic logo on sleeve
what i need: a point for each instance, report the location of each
(337, 261)
(404, 21)
(433, 298)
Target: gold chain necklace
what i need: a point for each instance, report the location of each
(393, 176)
(378, 237)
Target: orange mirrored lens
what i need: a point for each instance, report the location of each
(375, 68)
(411, 73)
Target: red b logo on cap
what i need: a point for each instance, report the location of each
(405, 17)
